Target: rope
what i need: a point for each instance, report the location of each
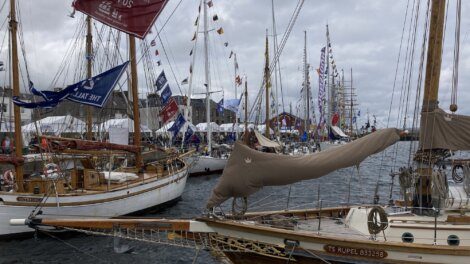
(375, 225)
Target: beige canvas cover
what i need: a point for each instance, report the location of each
(440, 130)
(264, 141)
(248, 170)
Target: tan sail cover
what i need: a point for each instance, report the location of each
(264, 141)
(248, 170)
(440, 130)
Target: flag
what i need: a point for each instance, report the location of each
(159, 63)
(231, 54)
(153, 43)
(335, 119)
(232, 104)
(177, 125)
(161, 81)
(215, 17)
(191, 52)
(194, 37)
(354, 119)
(94, 91)
(133, 17)
(185, 81)
(197, 20)
(226, 44)
(210, 4)
(359, 112)
(238, 80)
(220, 106)
(157, 53)
(166, 94)
(187, 135)
(169, 111)
(367, 124)
(220, 31)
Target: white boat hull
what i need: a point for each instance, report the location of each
(205, 165)
(105, 204)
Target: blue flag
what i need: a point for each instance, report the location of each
(161, 81)
(187, 135)
(177, 125)
(232, 105)
(220, 106)
(94, 91)
(166, 94)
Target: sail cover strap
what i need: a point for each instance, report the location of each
(248, 170)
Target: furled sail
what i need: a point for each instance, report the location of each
(440, 130)
(266, 142)
(248, 170)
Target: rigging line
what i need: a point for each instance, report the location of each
(158, 31)
(169, 64)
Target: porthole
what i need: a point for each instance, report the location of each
(453, 240)
(407, 237)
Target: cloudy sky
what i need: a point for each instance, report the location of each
(365, 36)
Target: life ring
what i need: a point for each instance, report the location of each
(51, 170)
(8, 177)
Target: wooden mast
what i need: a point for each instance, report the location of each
(430, 98)
(89, 56)
(246, 137)
(135, 100)
(267, 84)
(16, 92)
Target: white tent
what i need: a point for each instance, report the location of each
(121, 122)
(250, 126)
(165, 128)
(202, 127)
(56, 125)
(230, 127)
(262, 129)
(7, 127)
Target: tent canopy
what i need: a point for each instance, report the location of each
(120, 122)
(230, 127)
(202, 127)
(56, 125)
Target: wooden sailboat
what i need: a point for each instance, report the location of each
(433, 229)
(73, 184)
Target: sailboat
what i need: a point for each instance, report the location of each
(207, 163)
(432, 228)
(71, 180)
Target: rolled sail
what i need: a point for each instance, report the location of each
(248, 170)
(440, 130)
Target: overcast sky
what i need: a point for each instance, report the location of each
(365, 36)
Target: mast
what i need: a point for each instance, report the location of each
(330, 102)
(267, 83)
(430, 98)
(306, 88)
(276, 67)
(235, 66)
(351, 109)
(89, 56)
(135, 100)
(16, 92)
(207, 80)
(247, 136)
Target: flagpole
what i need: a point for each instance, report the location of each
(135, 101)
(207, 80)
(267, 85)
(89, 51)
(16, 92)
(246, 136)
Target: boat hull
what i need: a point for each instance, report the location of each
(106, 204)
(206, 165)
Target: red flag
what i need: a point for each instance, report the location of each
(169, 111)
(335, 119)
(133, 17)
(157, 53)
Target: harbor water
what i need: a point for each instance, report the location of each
(331, 190)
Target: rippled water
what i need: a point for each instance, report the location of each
(331, 190)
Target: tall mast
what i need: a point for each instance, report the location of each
(247, 136)
(306, 88)
(267, 84)
(89, 57)
(16, 92)
(330, 100)
(235, 66)
(430, 98)
(207, 80)
(135, 100)
(276, 67)
(351, 109)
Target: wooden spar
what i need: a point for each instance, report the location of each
(89, 57)
(246, 137)
(434, 57)
(135, 100)
(16, 92)
(109, 224)
(267, 84)
(351, 109)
